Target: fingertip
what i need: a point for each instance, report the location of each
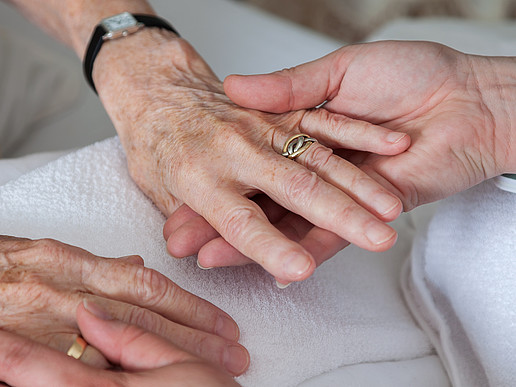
(380, 236)
(298, 267)
(236, 359)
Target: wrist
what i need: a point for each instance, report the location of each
(495, 79)
(81, 17)
(136, 74)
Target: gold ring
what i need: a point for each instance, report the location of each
(77, 348)
(296, 145)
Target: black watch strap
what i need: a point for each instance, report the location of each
(97, 40)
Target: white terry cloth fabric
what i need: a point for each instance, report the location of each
(351, 311)
(11, 169)
(461, 285)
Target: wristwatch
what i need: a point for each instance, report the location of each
(115, 27)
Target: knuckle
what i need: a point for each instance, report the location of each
(145, 319)
(152, 287)
(318, 157)
(204, 346)
(301, 186)
(237, 221)
(348, 211)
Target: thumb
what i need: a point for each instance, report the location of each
(127, 345)
(301, 87)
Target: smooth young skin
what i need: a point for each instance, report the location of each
(458, 110)
(43, 281)
(186, 142)
(145, 358)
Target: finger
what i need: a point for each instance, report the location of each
(180, 216)
(321, 203)
(219, 253)
(122, 281)
(301, 87)
(338, 131)
(322, 244)
(125, 344)
(244, 225)
(216, 349)
(24, 362)
(133, 259)
(352, 181)
(91, 355)
(147, 288)
(189, 238)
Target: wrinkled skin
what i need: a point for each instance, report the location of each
(187, 142)
(457, 109)
(42, 282)
(145, 359)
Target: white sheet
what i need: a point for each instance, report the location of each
(461, 284)
(349, 312)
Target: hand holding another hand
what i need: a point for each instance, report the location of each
(186, 141)
(145, 358)
(457, 109)
(43, 281)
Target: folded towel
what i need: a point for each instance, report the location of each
(461, 285)
(351, 311)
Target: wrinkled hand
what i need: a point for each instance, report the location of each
(184, 139)
(43, 281)
(145, 358)
(457, 109)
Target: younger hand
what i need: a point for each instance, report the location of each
(145, 358)
(457, 109)
(43, 281)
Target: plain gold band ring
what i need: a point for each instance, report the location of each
(77, 348)
(297, 145)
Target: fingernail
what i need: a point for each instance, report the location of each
(202, 267)
(395, 137)
(236, 359)
(296, 265)
(379, 233)
(385, 203)
(225, 327)
(96, 310)
(282, 286)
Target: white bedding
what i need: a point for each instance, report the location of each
(350, 312)
(356, 352)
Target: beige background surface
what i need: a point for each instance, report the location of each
(352, 20)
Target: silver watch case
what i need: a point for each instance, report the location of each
(120, 25)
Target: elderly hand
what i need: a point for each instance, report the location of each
(184, 139)
(145, 358)
(458, 110)
(43, 281)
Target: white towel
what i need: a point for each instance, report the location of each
(351, 311)
(462, 286)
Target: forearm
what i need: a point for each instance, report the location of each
(72, 21)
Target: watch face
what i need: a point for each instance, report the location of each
(119, 22)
